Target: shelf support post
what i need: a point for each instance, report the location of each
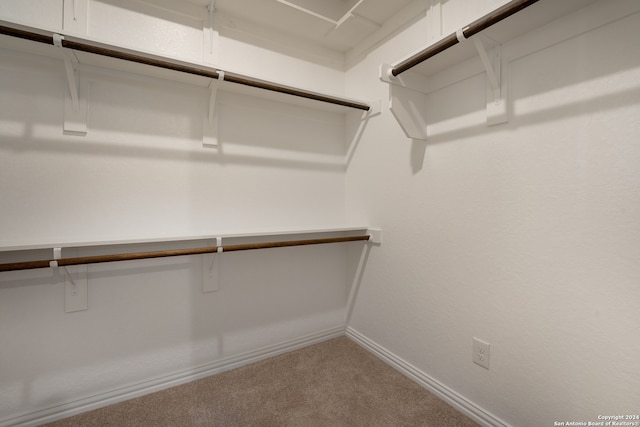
(407, 104)
(211, 269)
(492, 74)
(210, 43)
(75, 102)
(75, 283)
(210, 128)
(496, 83)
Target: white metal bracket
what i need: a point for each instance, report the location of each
(375, 235)
(76, 280)
(75, 288)
(70, 62)
(57, 254)
(496, 83)
(211, 269)
(434, 20)
(408, 91)
(408, 105)
(75, 17)
(210, 125)
(375, 108)
(210, 35)
(75, 102)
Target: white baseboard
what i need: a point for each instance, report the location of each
(89, 403)
(463, 405)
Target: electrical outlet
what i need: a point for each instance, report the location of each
(481, 353)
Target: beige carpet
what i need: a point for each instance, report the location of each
(334, 383)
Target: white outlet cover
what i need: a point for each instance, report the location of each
(481, 353)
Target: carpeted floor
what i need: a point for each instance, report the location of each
(334, 383)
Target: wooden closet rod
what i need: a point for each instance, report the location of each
(28, 265)
(475, 27)
(199, 71)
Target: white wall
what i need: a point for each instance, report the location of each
(525, 234)
(141, 172)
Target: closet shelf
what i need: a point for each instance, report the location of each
(453, 58)
(505, 23)
(90, 52)
(236, 235)
(195, 246)
(130, 256)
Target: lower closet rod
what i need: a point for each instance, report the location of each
(28, 265)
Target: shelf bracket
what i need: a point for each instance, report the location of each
(75, 102)
(408, 105)
(75, 17)
(75, 283)
(210, 43)
(375, 235)
(496, 83)
(75, 288)
(70, 62)
(211, 269)
(210, 126)
(408, 91)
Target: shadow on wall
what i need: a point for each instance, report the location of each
(356, 268)
(144, 147)
(355, 125)
(577, 77)
(610, 101)
(166, 119)
(149, 319)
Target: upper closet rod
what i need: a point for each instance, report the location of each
(452, 39)
(28, 265)
(229, 77)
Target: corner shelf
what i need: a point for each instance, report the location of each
(457, 57)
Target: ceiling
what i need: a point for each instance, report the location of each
(334, 24)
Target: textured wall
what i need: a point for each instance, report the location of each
(526, 234)
(141, 173)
